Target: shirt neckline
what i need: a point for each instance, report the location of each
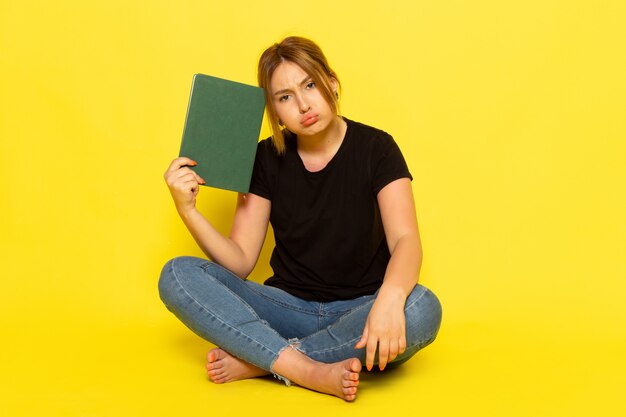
(335, 157)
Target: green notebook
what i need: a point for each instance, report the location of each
(222, 131)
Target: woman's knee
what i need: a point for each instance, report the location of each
(423, 317)
(173, 273)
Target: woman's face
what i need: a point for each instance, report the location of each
(298, 102)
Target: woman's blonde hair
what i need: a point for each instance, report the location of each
(308, 56)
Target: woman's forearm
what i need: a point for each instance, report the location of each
(404, 266)
(217, 247)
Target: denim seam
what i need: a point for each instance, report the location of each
(307, 311)
(416, 299)
(219, 319)
(320, 316)
(210, 263)
(283, 304)
(355, 340)
(280, 303)
(348, 343)
(351, 342)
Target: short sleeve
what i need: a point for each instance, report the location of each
(388, 163)
(261, 183)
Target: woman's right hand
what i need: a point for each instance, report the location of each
(184, 183)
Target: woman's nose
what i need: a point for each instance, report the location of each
(304, 106)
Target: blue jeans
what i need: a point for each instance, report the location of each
(256, 322)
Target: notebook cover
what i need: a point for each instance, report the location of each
(221, 131)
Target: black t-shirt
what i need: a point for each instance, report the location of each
(330, 242)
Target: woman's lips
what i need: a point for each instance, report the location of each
(308, 120)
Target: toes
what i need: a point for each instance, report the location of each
(355, 365)
(221, 379)
(214, 365)
(352, 376)
(215, 373)
(350, 383)
(350, 379)
(349, 391)
(215, 354)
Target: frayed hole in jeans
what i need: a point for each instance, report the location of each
(293, 344)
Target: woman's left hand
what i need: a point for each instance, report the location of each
(385, 329)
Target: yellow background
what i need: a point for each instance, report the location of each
(511, 116)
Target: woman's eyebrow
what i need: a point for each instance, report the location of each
(286, 90)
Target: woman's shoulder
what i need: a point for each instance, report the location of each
(267, 148)
(265, 145)
(369, 134)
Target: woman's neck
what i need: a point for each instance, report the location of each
(316, 151)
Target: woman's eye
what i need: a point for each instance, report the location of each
(284, 98)
(310, 85)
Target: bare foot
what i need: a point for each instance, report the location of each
(340, 379)
(223, 367)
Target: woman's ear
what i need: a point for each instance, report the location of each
(334, 84)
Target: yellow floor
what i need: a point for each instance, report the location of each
(152, 365)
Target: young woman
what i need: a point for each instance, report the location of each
(346, 262)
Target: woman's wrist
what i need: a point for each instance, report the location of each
(187, 213)
(394, 293)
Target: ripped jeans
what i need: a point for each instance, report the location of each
(256, 322)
